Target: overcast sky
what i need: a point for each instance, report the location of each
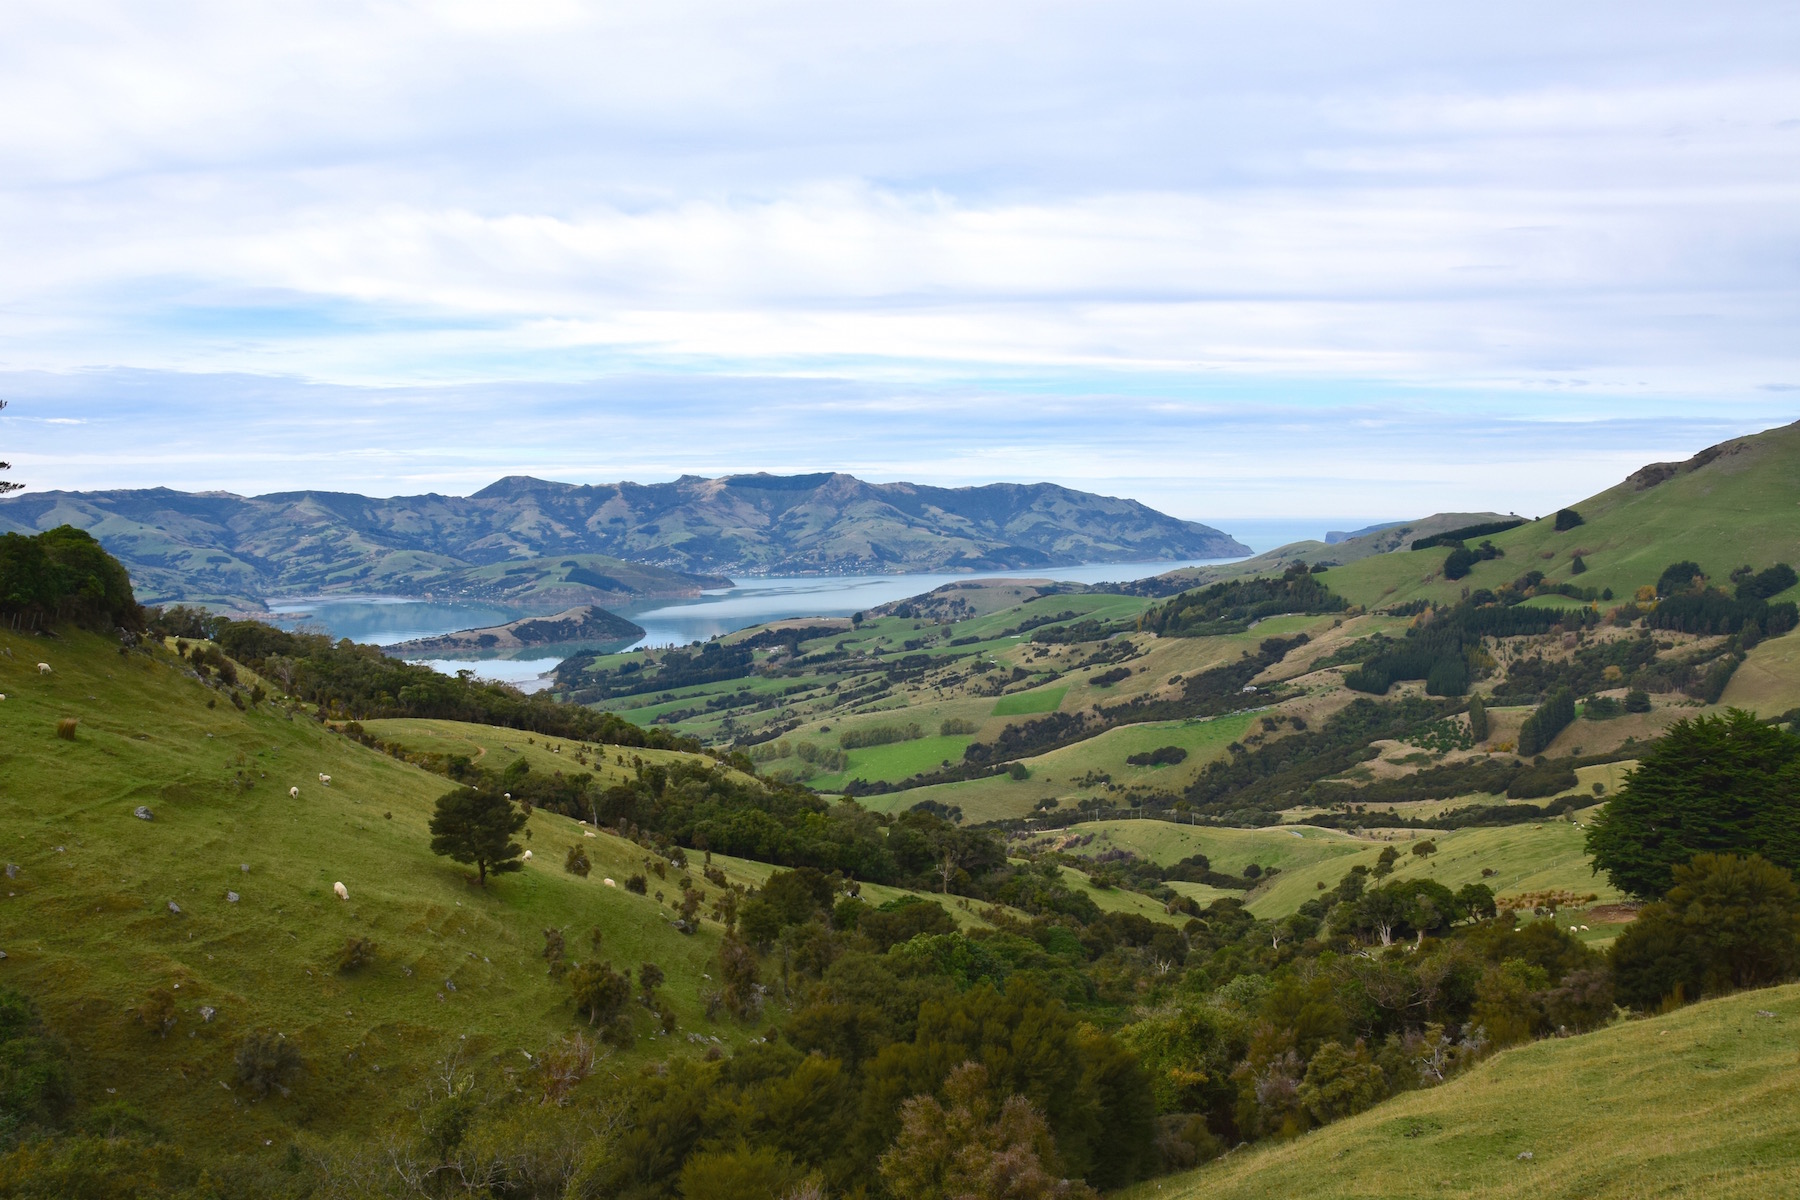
(1233, 259)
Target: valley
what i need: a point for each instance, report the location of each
(1282, 858)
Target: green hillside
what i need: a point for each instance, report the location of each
(1701, 1103)
(1732, 505)
(88, 927)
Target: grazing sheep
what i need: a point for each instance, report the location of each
(293, 793)
(43, 668)
(324, 780)
(528, 856)
(343, 893)
(609, 883)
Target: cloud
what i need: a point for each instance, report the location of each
(802, 229)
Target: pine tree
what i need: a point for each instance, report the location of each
(475, 825)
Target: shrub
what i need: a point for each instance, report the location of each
(157, 1012)
(1578, 565)
(35, 1083)
(1727, 922)
(1459, 563)
(1679, 577)
(1161, 756)
(956, 726)
(576, 862)
(599, 991)
(1567, 519)
(65, 728)
(358, 952)
(638, 885)
(1637, 701)
(267, 1062)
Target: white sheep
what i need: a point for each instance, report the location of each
(43, 668)
(609, 883)
(343, 893)
(293, 793)
(528, 856)
(324, 780)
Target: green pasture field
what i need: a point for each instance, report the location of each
(1768, 681)
(1699, 1103)
(1523, 858)
(896, 760)
(1043, 700)
(1204, 740)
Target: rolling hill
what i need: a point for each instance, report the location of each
(1697, 1103)
(548, 545)
(1731, 505)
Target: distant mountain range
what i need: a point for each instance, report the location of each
(546, 546)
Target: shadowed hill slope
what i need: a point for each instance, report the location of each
(1698, 1103)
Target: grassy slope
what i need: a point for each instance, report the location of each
(1524, 858)
(87, 927)
(1738, 509)
(1701, 1103)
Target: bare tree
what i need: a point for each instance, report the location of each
(6, 486)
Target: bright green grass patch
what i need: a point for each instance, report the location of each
(897, 760)
(1023, 703)
(1698, 1103)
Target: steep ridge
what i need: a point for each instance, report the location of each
(198, 546)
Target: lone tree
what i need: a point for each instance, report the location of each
(1719, 785)
(475, 825)
(6, 486)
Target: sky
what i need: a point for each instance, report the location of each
(1236, 260)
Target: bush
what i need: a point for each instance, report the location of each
(1637, 701)
(358, 952)
(638, 885)
(35, 1083)
(1459, 563)
(65, 728)
(956, 727)
(1727, 922)
(1161, 756)
(1567, 519)
(600, 992)
(1478, 720)
(267, 1062)
(1679, 577)
(576, 862)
